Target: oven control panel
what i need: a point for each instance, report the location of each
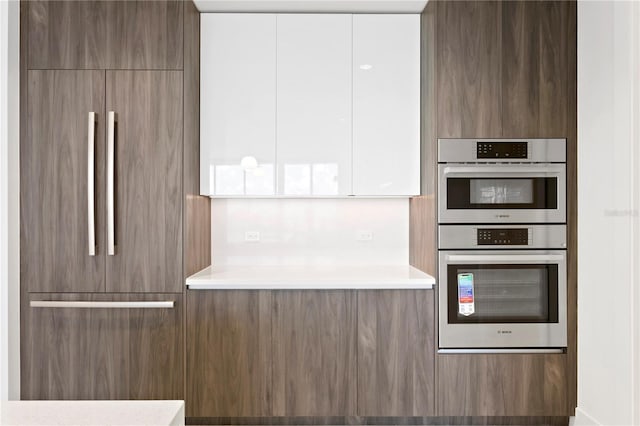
(515, 150)
(503, 237)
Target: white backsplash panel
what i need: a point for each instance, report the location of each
(310, 231)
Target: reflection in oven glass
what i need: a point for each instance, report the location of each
(501, 191)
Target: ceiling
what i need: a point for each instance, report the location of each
(312, 6)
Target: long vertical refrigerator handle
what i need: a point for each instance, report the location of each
(111, 225)
(91, 183)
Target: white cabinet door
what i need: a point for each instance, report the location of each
(386, 104)
(314, 94)
(237, 104)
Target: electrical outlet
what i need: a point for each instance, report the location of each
(252, 236)
(364, 235)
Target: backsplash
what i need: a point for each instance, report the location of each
(309, 231)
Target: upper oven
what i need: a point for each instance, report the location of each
(501, 181)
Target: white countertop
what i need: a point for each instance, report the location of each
(310, 277)
(111, 413)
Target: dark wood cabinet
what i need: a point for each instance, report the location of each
(502, 385)
(229, 355)
(148, 181)
(503, 69)
(54, 170)
(396, 353)
(105, 34)
(314, 353)
(103, 353)
(77, 57)
(468, 69)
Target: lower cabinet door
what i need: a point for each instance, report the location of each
(102, 346)
(228, 353)
(396, 353)
(314, 353)
(502, 385)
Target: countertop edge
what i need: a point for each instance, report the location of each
(352, 282)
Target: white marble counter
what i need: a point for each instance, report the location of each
(107, 413)
(310, 277)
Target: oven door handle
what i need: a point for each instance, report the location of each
(505, 257)
(530, 171)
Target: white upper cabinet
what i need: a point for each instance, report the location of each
(237, 104)
(386, 105)
(309, 105)
(314, 105)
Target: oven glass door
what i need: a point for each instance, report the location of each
(503, 293)
(484, 193)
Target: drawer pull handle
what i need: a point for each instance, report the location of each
(101, 305)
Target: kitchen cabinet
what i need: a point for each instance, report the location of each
(105, 34)
(57, 199)
(285, 102)
(386, 104)
(504, 69)
(314, 89)
(148, 181)
(54, 215)
(228, 353)
(396, 353)
(103, 353)
(502, 385)
(102, 200)
(468, 69)
(238, 99)
(314, 353)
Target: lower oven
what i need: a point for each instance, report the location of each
(500, 299)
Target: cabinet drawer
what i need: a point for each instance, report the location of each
(102, 346)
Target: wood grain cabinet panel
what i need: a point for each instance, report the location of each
(396, 361)
(67, 34)
(314, 353)
(502, 385)
(228, 353)
(105, 34)
(77, 353)
(148, 181)
(53, 179)
(145, 35)
(468, 69)
(536, 41)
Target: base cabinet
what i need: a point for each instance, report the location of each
(396, 361)
(310, 353)
(314, 353)
(228, 353)
(502, 385)
(103, 353)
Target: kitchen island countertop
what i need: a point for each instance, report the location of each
(107, 413)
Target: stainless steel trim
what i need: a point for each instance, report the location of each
(510, 170)
(502, 351)
(101, 305)
(111, 246)
(539, 151)
(91, 183)
(504, 258)
(460, 237)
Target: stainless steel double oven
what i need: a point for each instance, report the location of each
(502, 245)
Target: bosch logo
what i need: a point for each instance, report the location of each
(504, 331)
(503, 215)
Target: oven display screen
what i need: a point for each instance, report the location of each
(503, 236)
(501, 150)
